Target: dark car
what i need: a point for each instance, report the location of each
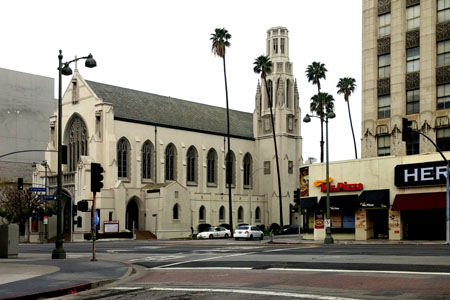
(288, 229)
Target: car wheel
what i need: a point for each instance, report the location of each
(251, 237)
(226, 235)
(262, 237)
(211, 236)
(236, 239)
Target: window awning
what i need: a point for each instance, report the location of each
(308, 202)
(373, 198)
(420, 201)
(338, 202)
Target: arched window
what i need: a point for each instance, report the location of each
(202, 213)
(258, 214)
(247, 170)
(76, 142)
(147, 152)
(270, 96)
(191, 168)
(231, 168)
(240, 214)
(123, 152)
(288, 92)
(176, 211)
(222, 213)
(170, 159)
(211, 166)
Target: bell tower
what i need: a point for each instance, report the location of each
(282, 89)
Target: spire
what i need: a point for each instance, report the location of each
(258, 97)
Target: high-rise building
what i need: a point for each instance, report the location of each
(406, 74)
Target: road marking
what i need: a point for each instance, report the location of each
(202, 259)
(264, 293)
(156, 258)
(359, 271)
(277, 250)
(149, 247)
(118, 250)
(206, 268)
(125, 288)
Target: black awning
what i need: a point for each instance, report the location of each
(373, 198)
(308, 202)
(338, 202)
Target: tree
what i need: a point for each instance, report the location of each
(315, 72)
(321, 104)
(19, 206)
(263, 65)
(220, 41)
(347, 86)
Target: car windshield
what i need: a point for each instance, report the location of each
(242, 227)
(210, 229)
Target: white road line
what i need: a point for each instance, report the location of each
(125, 288)
(277, 250)
(208, 268)
(359, 271)
(264, 293)
(202, 259)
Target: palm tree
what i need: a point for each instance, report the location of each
(220, 41)
(263, 65)
(315, 72)
(321, 104)
(347, 86)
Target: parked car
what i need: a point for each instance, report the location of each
(248, 232)
(288, 229)
(214, 232)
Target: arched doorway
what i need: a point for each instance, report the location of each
(132, 215)
(67, 215)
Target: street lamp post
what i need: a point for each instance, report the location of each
(329, 115)
(63, 69)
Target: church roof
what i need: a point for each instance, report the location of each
(146, 108)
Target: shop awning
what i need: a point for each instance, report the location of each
(373, 198)
(420, 201)
(308, 202)
(338, 202)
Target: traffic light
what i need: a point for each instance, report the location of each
(406, 129)
(96, 177)
(83, 205)
(297, 196)
(20, 184)
(74, 210)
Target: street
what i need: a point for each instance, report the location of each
(228, 269)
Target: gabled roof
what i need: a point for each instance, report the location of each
(140, 107)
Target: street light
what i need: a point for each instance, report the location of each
(329, 115)
(63, 69)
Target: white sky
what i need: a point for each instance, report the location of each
(163, 47)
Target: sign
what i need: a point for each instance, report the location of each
(339, 187)
(327, 223)
(49, 197)
(110, 226)
(37, 189)
(304, 182)
(154, 215)
(318, 222)
(361, 218)
(45, 220)
(421, 174)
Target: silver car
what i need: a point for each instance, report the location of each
(248, 232)
(214, 232)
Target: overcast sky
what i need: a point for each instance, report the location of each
(163, 47)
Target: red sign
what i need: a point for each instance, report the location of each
(342, 187)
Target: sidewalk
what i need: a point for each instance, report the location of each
(33, 276)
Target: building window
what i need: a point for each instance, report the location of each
(290, 167)
(147, 151)
(412, 102)
(412, 59)
(211, 167)
(202, 213)
(258, 214)
(282, 46)
(275, 46)
(443, 96)
(222, 213)
(123, 150)
(384, 66)
(247, 170)
(443, 53)
(443, 138)
(175, 212)
(77, 143)
(413, 17)
(384, 145)
(266, 167)
(270, 89)
(412, 144)
(231, 168)
(170, 160)
(384, 25)
(191, 168)
(443, 9)
(240, 215)
(384, 107)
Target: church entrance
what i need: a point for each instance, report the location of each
(132, 215)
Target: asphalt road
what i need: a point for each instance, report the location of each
(228, 269)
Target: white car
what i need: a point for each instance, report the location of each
(214, 232)
(248, 232)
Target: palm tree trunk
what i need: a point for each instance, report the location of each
(276, 153)
(321, 123)
(351, 126)
(228, 168)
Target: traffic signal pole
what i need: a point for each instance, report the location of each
(94, 228)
